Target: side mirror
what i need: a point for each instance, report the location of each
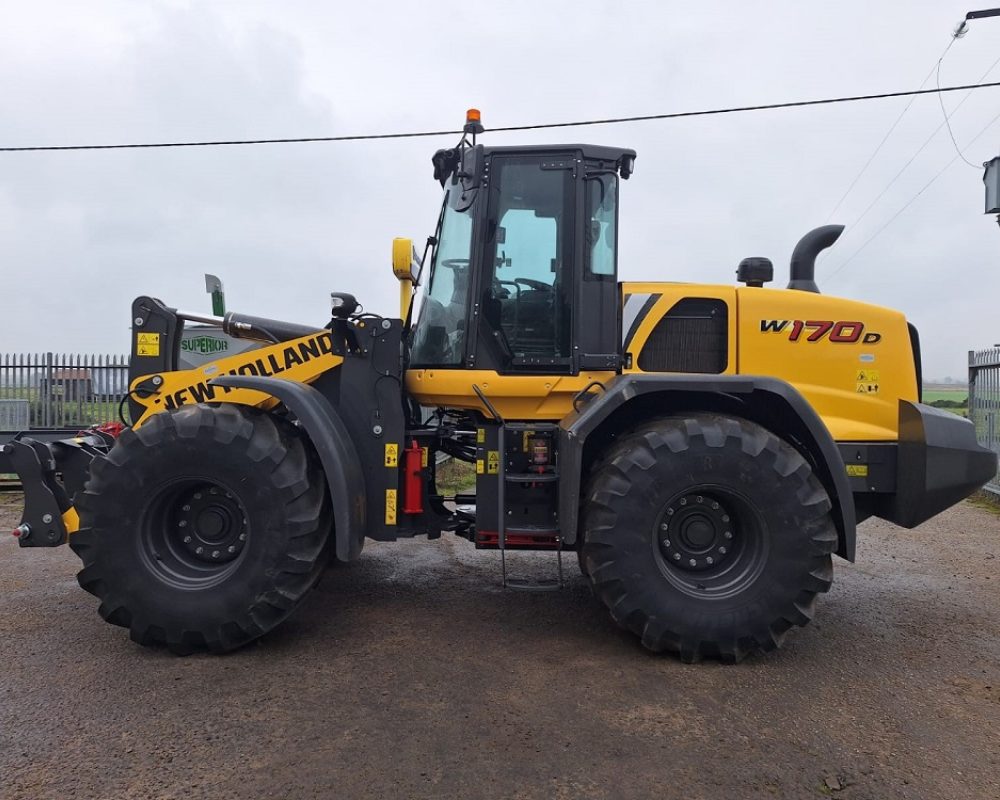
(404, 259)
(405, 266)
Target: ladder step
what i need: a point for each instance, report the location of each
(531, 477)
(519, 539)
(529, 426)
(526, 585)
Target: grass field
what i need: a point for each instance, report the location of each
(62, 412)
(959, 393)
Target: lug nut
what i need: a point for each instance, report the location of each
(670, 512)
(715, 506)
(722, 550)
(231, 548)
(199, 550)
(684, 501)
(663, 527)
(215, 554)
(700, 499)
(213, 490)
(728, 534)
(243, 537)
(725, 518)
(692, 562)
(182, 524)
(710, 560)
(187, 539)
(666, 543)
(185, 508)
(197, 495)
(677, 556)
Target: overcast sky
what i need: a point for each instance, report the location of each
(82, 233)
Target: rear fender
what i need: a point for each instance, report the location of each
(631, 399)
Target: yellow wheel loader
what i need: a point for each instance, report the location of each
(704, 449)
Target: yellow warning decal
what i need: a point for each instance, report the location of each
(866, 381)
(479, 466)
(390, 506)
(492, 462)
(423, 456)
(857, 470)
(147, 344)
(391, 454)
(481, 435)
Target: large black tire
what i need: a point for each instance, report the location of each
(707, 536)
(204, 528)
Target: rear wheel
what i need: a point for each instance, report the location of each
(204, 528)
(707, 536)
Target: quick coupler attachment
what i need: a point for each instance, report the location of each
(50, 475)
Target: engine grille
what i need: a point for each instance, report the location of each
(691, 337)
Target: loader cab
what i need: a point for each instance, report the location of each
(522, 274)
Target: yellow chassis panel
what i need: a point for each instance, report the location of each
(514, 396)
(301, 360)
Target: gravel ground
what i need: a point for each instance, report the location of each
(412, 674)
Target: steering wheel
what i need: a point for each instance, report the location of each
(454, 263)
(531, 283)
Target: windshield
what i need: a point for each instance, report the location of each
(439, 330)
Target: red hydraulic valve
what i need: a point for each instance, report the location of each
(413, 502)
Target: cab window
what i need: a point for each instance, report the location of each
(530, 261)
(601, 238)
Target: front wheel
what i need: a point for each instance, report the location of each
(707, 536)
(204, 528)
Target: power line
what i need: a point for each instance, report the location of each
(947, 116)
(507, 128)
(910, 202)
(888, 133)
(919, 150)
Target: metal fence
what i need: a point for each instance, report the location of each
(984, 401)
(46, 390)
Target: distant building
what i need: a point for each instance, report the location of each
(68, 385)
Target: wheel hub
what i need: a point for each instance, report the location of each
(210, 524)
(696, 533)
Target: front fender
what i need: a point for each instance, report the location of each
(328, 434)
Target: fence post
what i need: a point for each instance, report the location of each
(971, 402)
(47, 393)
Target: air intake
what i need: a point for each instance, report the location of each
(802, 274)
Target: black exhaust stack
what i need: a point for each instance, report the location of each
(803, 267)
